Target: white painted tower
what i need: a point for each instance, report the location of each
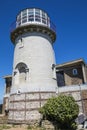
(34, 77)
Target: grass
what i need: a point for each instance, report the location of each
(35, 128)
(4, 127)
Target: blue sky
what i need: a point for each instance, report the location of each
(70, 18)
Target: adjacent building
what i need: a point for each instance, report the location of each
(71, 73)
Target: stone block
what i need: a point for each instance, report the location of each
(34, 104)
(32, 96)
(33, 115)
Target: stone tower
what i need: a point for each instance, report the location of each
(34, 77)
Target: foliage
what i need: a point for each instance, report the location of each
(63, 110)
(2, 127)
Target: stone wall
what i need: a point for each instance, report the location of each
(84, 99)
(80, 96)
(23, 108)
(77, 97)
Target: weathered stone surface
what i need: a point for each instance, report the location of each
(46, 95)
(18, 97)
(19, 115)
(35, 104)
(19, 105)
(32, 96)
(33, 115)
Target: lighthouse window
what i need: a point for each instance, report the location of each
(31, 18)
(19, 16)
(43, 18)
(19, 20)
(22, 72)
(24, 19)
(24, 16)
(37, 11)
(37, 15)
(30, 10)
(31, 15)
(24, 13)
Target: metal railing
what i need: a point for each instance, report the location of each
(43, 22)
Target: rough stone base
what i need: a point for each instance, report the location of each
(24, 107)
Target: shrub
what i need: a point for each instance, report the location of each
(62, 110)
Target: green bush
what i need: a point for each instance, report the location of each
(61, 110)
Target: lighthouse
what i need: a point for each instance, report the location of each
(34, 76)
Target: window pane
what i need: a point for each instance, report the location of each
(37, 11)
(19, 16)
(25, 17)
(18, 23)
(37, 18)
(30, 12)
(31, 18)
(19, 19)
(43, 18)
(24, 20)
(24, 13)
(37, 15)
(75, 72)
(30, 15)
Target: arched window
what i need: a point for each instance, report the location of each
(22, 72)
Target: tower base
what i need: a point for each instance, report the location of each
(24, 107)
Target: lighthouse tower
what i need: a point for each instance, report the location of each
(34, 77)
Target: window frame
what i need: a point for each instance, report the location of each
(75, 72)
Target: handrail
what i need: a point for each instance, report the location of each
(15, 25)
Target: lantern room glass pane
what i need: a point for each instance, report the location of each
(24, 20)
(24, 13)
(37, 15)
(19, 20)
(44, 17)
(30, 15)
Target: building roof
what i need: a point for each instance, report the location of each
(7, 76)
(71, 63)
